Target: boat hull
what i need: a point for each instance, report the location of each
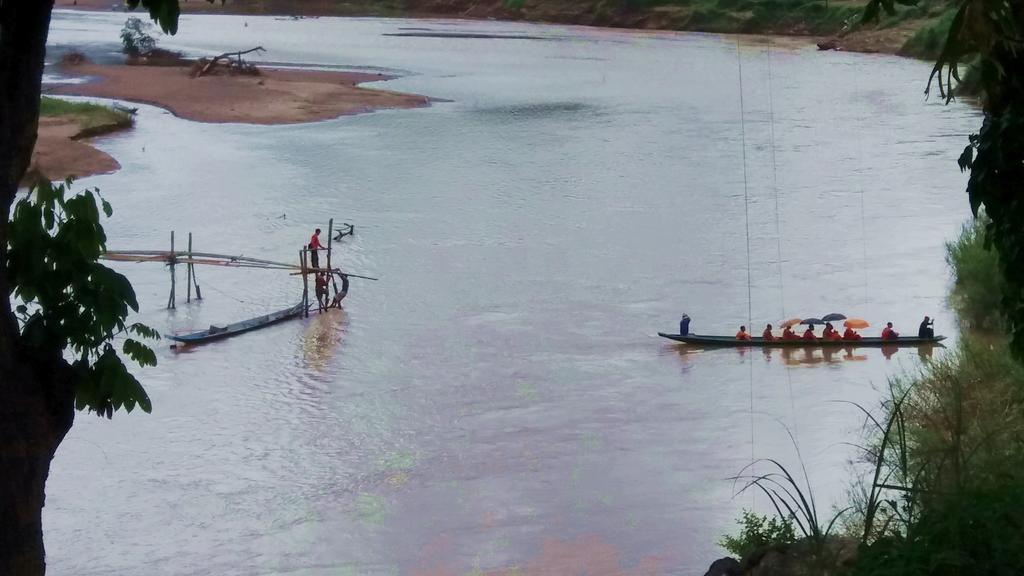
(731, 341)
(204, 336)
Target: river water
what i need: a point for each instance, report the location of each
(500, 399)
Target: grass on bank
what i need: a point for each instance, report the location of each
(755, 16)
(978, 284)
(92, 118)
(927, 42)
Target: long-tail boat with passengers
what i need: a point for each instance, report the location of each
(684, 336)
(704, 340)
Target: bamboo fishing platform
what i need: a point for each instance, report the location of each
(190, 258)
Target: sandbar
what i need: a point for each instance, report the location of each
(275, 96)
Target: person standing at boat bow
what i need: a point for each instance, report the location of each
(314, 246)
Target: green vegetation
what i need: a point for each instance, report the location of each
(92, 118)
(977, 284)
(755, 16)
(136, 38)
(756, 532)
(65, 297)
(927, 42)
(951, 488)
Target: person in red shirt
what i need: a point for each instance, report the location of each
(767, 335)
(809, 333)
(851, 334)
(314, 245)
(742, 334)
(788, 334)
(888, 333)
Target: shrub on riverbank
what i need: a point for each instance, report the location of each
(758, 531)
(951, 485)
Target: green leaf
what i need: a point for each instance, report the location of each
(144, 331)
(139, 352)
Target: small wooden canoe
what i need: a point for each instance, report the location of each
(723, 341)
(219, 332)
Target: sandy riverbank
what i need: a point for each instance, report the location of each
(274, 97)
(59, 153)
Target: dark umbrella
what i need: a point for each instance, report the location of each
(833, 317)
(812, 321)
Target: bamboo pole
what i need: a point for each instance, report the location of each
(170, 300)
(330, 239)
(188, 270)
(330, 236)
(305, 282)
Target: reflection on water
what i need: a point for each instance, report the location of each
(794, 356)
(322, 338)
(499, 399)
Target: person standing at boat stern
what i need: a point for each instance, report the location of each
(926, 330)
(314, 246)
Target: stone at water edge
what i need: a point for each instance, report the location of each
(724, 567)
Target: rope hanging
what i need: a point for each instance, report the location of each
(775, 184)
(746, 196)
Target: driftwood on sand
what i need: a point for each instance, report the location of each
(231, 62)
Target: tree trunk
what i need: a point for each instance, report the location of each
(36, 390)
(36, 412)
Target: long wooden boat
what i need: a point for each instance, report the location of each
(723, 341)
(220, 332)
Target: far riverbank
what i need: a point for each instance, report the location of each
(911, 31)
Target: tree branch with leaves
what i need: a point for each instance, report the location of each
(64, 333)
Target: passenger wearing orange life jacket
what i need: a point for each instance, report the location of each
(888, 333)
(767, 335)
(742, 334)
(809, 333)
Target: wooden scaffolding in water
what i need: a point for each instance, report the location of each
(190, 258)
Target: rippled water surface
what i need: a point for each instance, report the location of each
(499, 399)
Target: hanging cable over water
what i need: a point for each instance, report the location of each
(778, 225)
(775, 183)
(746, 196)
(746, 220)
